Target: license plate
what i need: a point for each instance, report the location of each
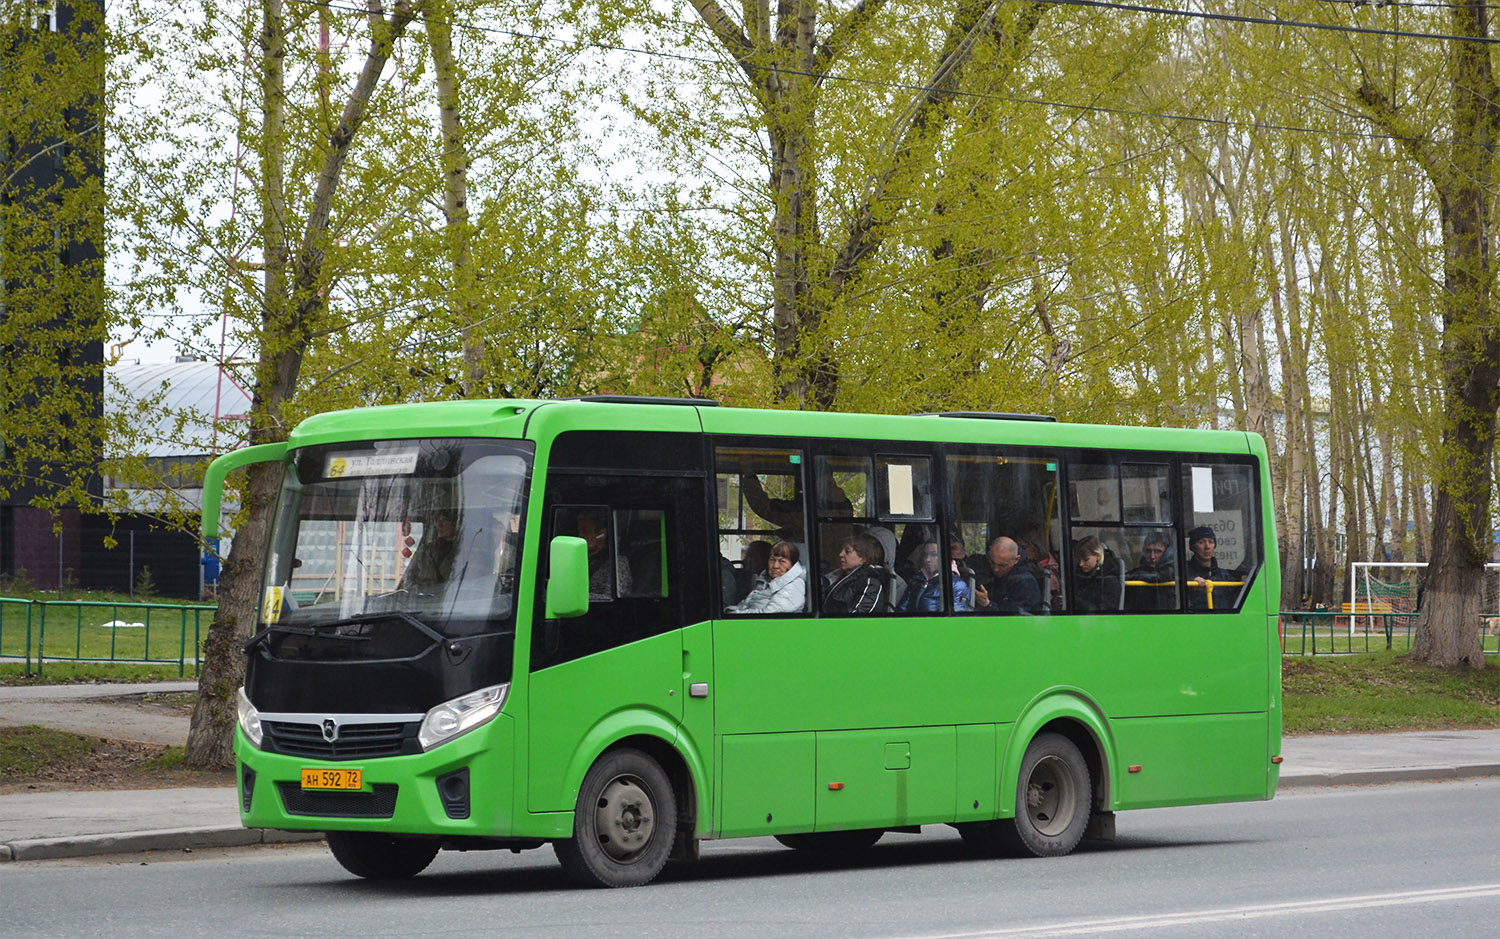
(333, 779)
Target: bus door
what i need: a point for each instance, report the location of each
(622, 667)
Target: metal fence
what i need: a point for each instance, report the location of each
(40, 631)
(1336, 632)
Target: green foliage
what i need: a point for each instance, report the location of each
(51, 234)
(145, 584)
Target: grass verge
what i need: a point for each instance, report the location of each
(1384, 691)
(41, 758)
(67, 673)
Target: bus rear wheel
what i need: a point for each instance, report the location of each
(379, 856)
(624, 824)
(833, 842)
(1053, 798)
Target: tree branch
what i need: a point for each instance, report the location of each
(732, 38)
(922, 115)
(843, 34)
(1416, 142)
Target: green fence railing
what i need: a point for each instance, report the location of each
(40, 631)
(1335, 632)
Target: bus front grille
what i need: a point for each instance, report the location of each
(355, 741)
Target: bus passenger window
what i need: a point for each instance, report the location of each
(1006, 505)
(760, 505)
(1222, 544)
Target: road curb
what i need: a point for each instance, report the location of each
(166, 839)
(1365, 777)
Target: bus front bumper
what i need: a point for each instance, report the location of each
(464, 787)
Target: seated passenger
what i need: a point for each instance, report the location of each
(785, 591)
(1034, 548)
(924, 593)
(858, 586)
(752, 571)
(1014, 586)
(1096, 582)
(1204, 572)
(1151, 584)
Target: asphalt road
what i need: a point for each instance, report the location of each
(1413, 859)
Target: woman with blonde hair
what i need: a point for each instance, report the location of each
(1096, 577)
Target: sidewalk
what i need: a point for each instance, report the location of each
(37, 825)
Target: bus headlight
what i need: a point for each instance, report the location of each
(460, 715)
(249, 719)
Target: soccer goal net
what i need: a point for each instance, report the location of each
(1382, 590)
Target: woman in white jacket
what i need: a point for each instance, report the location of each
(786, 592)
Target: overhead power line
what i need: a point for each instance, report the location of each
(960, 93)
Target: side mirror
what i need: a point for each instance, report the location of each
(568, 578)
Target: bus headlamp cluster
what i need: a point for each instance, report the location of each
(249, 719)
(461, 715)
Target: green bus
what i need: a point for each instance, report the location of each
(622, 626)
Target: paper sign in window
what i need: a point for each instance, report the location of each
(1203, 489)
(899, 485)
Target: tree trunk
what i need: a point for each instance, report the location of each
(462, 297)
(291, 307)
(1463, 174)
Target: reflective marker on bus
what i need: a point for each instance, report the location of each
(624, 626)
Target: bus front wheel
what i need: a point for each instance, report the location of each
(1053, 798)
(624, 824)
(379, 856)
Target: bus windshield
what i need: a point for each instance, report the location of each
(424, 530)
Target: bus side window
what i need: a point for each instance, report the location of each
(1222, 542)
(760, 501)
(1127, 506)
(1005, 505)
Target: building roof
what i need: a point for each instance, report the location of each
(189, 408)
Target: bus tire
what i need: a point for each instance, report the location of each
(379, 856)
(1053, 799)
(624, 824)
(833, 842)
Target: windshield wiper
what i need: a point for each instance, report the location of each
(328, 630)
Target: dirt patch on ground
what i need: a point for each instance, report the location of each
(42, 759)
(179, 703)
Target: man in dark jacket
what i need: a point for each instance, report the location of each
(1014, 585)
(1152, 585)
(1203, 569)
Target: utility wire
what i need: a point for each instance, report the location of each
(1272, 21)
(960, 93)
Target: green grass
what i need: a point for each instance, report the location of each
(1318, 635)
(25, 751)
(65, 673)
(174, 760)
(1384, 691)
(99, 626)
